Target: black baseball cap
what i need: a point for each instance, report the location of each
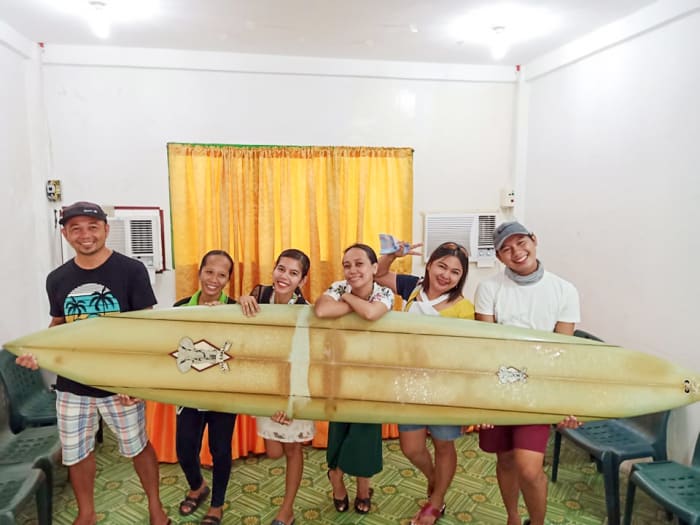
(82, 208)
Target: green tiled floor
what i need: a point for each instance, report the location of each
(257, 485)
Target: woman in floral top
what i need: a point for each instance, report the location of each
(355, 448)
(283, 435)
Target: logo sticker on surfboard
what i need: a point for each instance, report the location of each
(510, 374)
(200, 355)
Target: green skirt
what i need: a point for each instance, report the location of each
(355, 448)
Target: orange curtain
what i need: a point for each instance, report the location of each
(255, 201)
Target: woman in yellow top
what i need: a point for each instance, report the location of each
(438, 292)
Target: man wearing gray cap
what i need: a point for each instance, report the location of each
(94, 282)
(524, 295)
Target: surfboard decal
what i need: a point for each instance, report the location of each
(200, 355)
(510, 374)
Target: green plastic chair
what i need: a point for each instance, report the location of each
(612, 441)
(674, 486)
(18, 483)
(31, 403)
(38, 447)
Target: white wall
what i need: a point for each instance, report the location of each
(25, 259)
(109, 124)
(613, 189)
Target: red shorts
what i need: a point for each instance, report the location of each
(507, 438)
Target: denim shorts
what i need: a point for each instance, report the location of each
(441, 432)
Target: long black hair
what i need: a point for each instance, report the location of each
(445, 249)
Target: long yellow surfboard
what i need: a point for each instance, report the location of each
(402, 368)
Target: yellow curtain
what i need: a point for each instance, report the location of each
(256, 201)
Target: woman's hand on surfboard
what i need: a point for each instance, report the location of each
(27, 361)
(249, 306)
(569, 422)
(482, 426)
(281, 418)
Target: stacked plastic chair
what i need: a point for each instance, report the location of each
(31, 403)
(674, 486)
(613, 441)
(27, 461)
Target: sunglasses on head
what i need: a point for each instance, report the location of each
(454, 247)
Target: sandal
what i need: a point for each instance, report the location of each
(210, 520)
(364, 502)
(280, 522)
(429, 510)
(341, 505)
(191, 504)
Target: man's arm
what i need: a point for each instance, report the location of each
(564, 328)
(485, 318)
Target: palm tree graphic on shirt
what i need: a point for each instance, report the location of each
(102, 300)
(89, 300)
(74, 307)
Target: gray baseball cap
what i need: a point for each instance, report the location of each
(505, 230)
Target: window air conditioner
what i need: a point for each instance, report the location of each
(137, 237)
(474, 231)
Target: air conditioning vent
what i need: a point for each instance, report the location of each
(474, 231)
(141, 236)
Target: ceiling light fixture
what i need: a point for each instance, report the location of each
(98, 18)
(499, 44)
(101, 15)
(500, 27)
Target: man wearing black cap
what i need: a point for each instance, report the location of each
(97, 281)
(528, 296)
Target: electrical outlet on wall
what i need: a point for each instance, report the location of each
(53, 190)
(507, 198)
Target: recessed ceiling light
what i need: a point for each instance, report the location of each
(499, 42)
(98, 18)
(518, 23)
(101, 14)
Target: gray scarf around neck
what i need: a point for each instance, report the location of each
(524, 280)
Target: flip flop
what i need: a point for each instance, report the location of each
(189, 505)
(210, 520)
(429, 510)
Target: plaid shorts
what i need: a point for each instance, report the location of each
(78, 422)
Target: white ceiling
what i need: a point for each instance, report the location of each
(361, 29)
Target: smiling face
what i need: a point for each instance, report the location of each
(359, 271)
(444, 274)
(86, 235)
(286, 277)
(519, 253)
(213, 277)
